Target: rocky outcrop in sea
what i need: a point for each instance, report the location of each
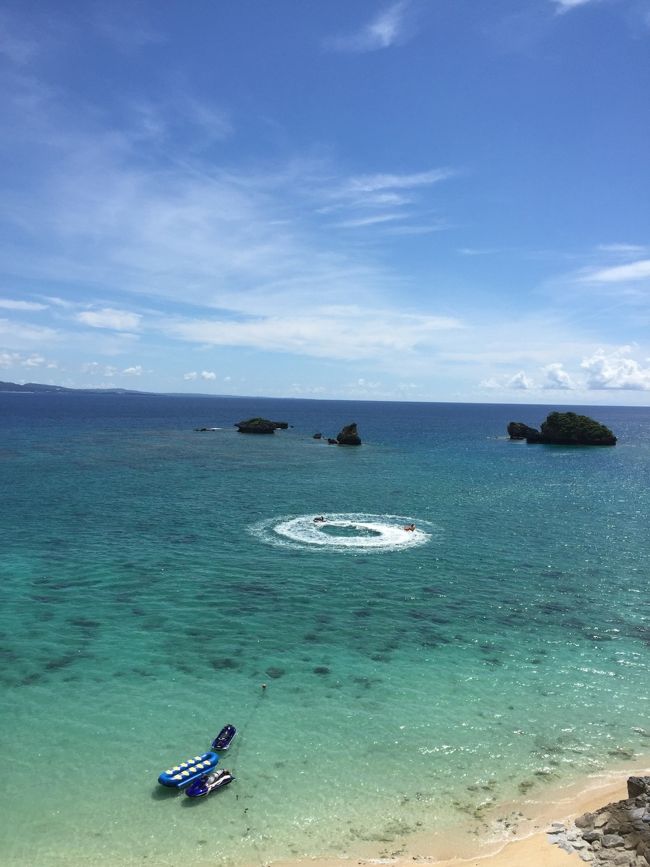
(260, 426)
(565, 429)
(617, 835)
(349, 436)
(517, 430)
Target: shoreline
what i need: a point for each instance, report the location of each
(529, 844)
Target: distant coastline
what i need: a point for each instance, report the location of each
(41, 388)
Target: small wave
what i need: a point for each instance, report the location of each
(343, 532)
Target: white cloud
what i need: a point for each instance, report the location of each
(179, 116)
(207, 375)
(377, 182)
(519, 381)
(241, 243)
(376, 199)
(557, 377)
(563, 6)
(477, 251)
(15, 48)
(94, 368)
(34, 361)
(133, 371)
(373, 220)
(125, 29)
(17, 334)
(17, 359)
(639, 270)
(623, 249)
(616, 370)
(410, 229)
(385, 29)
(117, 320)
(366, 384)
(344, 332)
(9, 359)
(10, 304)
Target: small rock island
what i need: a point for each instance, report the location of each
(349, 436)
(260, 426)
(564, 429)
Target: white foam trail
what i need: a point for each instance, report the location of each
(344, 532)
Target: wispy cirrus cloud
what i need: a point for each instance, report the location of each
(373, 220)
(378, 183)
(562, 6)
(11, 304)
(16, 334)
(387, 28)
(623, 250)
(125, 28)
(365, 200)
(339, 332)
(632, 271)
(15, 47)
(108, 317)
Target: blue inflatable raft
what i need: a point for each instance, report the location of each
(184, 772)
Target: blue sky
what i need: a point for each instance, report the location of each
(412, 200)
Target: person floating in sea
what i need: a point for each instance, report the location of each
(319, 520)
(410, 527)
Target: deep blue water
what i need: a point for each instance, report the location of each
(153, 577)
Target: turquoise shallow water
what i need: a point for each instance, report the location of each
(152, 578)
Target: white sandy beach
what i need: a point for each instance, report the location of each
(530, 846)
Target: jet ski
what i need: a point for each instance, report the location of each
(224, 738)
(209, 783)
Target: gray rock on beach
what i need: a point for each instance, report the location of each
(617, 835)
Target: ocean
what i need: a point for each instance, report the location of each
(153, 577)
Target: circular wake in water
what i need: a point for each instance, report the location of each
(344, 532)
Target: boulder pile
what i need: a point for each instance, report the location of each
(617, 835)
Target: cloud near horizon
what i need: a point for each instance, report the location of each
(616, 370)
(206, 375)
(557, 377)
(604, 370)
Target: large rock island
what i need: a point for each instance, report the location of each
(564, 429)
(260, 426)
